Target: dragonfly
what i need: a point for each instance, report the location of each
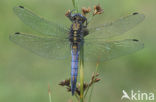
(60, 42)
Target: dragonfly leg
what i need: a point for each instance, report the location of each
(69, 15)
(86, 23)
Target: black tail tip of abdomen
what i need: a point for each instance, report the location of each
(73, 92)
(73, 88)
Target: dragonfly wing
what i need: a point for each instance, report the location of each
(116, 28)
(52, 48)
(39, 24)
(103, 51)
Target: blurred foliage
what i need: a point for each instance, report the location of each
(24, 77)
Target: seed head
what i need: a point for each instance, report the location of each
(97, 74)
(85, 86)
(67, 13)
(85, 11)
(97, 10)
(97, 80)
(65, 82)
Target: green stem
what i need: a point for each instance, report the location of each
(81, 73)
(77, 97)
(75, 4)
(90, 96)
(73, 1)
(50, 98)
(49, 92)
(97, 66)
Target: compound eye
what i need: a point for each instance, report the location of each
(74, 18)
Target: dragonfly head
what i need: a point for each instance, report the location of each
(78, 18)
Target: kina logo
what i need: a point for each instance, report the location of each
(138, 96)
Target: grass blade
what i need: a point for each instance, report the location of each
(73, 1)
(90, 96)
(49, 92)
(81, 73)
(76, 5)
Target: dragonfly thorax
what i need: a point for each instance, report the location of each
(79, 23)
(76, 33)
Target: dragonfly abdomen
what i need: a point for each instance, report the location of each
(74, 67)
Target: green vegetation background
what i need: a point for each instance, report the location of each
(24, 77)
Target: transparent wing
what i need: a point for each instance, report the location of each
(52, 48)
(103, 51)
(116, 28)
(40, 24)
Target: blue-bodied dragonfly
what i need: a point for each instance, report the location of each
(61, 42)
